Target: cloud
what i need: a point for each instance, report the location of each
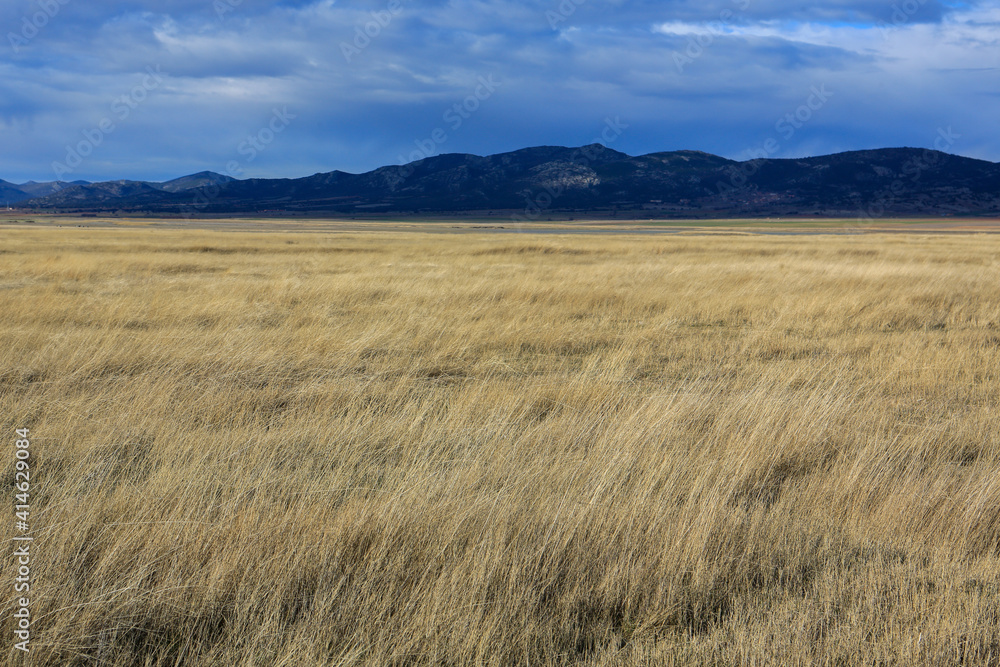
(368, 81)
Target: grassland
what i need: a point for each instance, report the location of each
(409, 449)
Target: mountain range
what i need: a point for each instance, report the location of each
(84, 191)
(11, 193)
(533, 183)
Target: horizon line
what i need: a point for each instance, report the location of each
(526, 148)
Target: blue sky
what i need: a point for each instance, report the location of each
(137, 89)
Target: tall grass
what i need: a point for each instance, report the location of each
(429, 449)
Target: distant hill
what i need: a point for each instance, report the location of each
(534, 182)
(11, 193)
(201, 179)
(132, 194)
(100, 196)
(43, 189)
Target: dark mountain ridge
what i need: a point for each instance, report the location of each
(534, 182)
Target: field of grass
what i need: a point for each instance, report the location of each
(416, 449)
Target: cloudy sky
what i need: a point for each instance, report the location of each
(108, 89)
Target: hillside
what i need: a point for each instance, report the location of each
(533, 182)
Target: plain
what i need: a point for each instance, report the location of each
(405, 448)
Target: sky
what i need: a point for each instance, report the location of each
(144, 90)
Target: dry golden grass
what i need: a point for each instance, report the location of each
(394, 449)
